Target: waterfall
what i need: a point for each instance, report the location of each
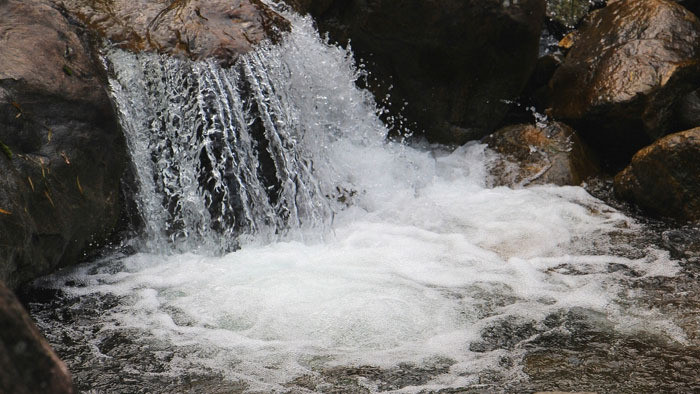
(224, 156)
(289, 247)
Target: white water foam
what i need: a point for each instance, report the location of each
(421, 255)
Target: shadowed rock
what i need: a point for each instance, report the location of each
(63, 151)
(455, 62)
(630, 64)
(664, 178)
(27, 363)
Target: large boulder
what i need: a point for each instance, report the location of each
(62, 153)
(630, 64)
(456, 63)
(27, 363)
(198, 29)
(664, 178)
(536, 155)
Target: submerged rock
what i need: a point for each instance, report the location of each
(629, 66)
(664, 178)
(197, 29)
(59, 189)
(455, 62)
(540, 155)
(27, 363)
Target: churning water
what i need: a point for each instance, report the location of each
(288, 246)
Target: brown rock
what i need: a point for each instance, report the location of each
(456, 62)
(540, 155)
(197, 29)
(27, 363)
(64, 155)
(664, 178)
(631, 62)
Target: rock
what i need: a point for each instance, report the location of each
(664, 178)
(629, 66)
(455, 62)
(537, 88)
(197, 29)
(27, 363)
(689, 110)
(540, 155)
(59, 189)
(692, 5)
(565, 392)
(568, 12)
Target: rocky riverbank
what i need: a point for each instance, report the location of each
(616, 96)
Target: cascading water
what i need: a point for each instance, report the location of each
(364, 265)
(214, 163)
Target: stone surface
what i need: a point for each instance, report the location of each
(692, 5)
(568, 12)
(27, 363)
(197, 29)
(455, 62)
(688, 111)
(64, 154)
(630, 64)
(540, 155)
(664, 178)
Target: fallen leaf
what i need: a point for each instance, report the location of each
(65, 158)
(4, 212)
(568, 41)
(77, 181)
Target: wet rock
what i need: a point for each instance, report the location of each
(504, 334)
(540, 155)
(568, 12)
(664, 178)
(630, 65)
(565, 392)
(682, 243)
(455, 62)
(27, 363)
(59, 189)
(197, 29)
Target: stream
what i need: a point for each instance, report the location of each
(287, 246)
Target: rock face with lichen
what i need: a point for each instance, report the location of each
(27, 363)
(65, 153)
(664, 178)
(455, 63)
(198, 29)
(532, 155)
(630, 65)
